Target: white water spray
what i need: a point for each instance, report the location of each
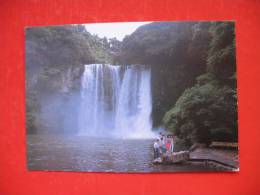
(116, 101)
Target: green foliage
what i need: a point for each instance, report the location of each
(204, 111)
(193, 72)
(55, 56)
(156, 41)
(115, 45)
(64, 46)
(177, 52)
(208, 111)
(221, 59)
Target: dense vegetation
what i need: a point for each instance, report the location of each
(177, 53)
(55, 57)
(208, 110)
(193, 74)
(194, 77)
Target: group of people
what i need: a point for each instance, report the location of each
(162, 145)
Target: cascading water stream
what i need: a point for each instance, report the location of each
(116, 101)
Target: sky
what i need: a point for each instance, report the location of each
(117, 29)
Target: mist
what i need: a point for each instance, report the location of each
(110, 101)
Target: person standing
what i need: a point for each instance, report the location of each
(156, 147)
(162, 146)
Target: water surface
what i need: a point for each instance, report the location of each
(79, 153)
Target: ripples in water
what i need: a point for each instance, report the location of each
(79, 153)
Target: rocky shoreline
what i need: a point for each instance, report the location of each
(222, 159)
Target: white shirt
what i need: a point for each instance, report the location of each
(155, 145)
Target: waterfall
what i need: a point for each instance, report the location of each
(116, 101)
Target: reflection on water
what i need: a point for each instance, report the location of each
(79, 153)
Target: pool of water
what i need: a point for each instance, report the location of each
(80, 153)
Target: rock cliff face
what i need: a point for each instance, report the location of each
(58, 96)
(193, 77)
(193, 74)
(177, 52)
(55, 58)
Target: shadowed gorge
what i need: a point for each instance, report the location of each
(193, 75)
(97, 104)
(190, 66)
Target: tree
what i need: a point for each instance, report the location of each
(208, 110)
